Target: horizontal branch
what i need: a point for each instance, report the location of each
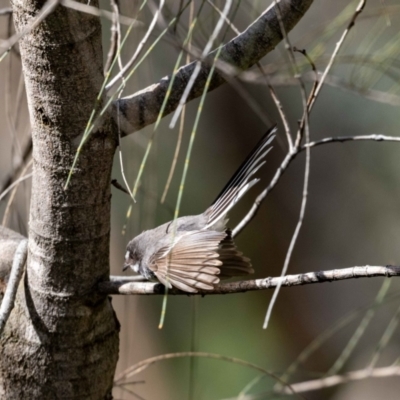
(242, 52)
(341, 139)
(290, 156)
(119, 285)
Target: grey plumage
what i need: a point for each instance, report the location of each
(194, 252)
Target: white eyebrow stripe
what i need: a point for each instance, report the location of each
(127, 254)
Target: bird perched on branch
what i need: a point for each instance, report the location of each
(193, 253)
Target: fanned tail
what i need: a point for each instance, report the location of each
(234, 263)
(240, 182)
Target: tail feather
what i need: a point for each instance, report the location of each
(240, 182)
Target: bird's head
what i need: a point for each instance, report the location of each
(131, 260)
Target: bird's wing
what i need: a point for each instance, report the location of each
(198, 260)
(190, 262)
(240, 182)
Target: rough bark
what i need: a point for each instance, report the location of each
(61, 340)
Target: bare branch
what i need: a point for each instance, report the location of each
(116, 285)
(139, 48)
(198, 66)
(16, 273)
(142, 365)
(86, 8)
(289, 158)
(341, 139)
(261, 197)
(371, 94)
(303, 124)
(13, 188)
(115, 35)
(242, 52)
(282, 114)
(13, 185)
(339, 44)
(306, 169)
(334, 380)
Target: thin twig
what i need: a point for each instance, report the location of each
(9, 188)
(260, 198)
(121, 163)
(224, 17)
(88, 9)
(8, 106)
(116, 286)
(14, 188)
(115, 35)
(331, 80)
(175, 159)
(335, 380)
(298, 225)
(282, 115)
(197, 68)
(142, 365)
(306, 169)
(317, 88)
(182, 119)
(290, 157)
(262, 36)
(45, 11)
(16, 273)
(131, 392)
(10, 178)
(236, 83)
(362, 327)
(314, 69)
(189, 151)
(377, 137)
(339, 44)
(384, 341)
(139, 48)
(321, 340)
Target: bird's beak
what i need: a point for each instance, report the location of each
(125, 267)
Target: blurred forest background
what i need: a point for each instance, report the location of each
(352, 216)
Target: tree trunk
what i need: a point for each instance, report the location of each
(62, 338)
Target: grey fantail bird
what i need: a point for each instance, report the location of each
(193, 253)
